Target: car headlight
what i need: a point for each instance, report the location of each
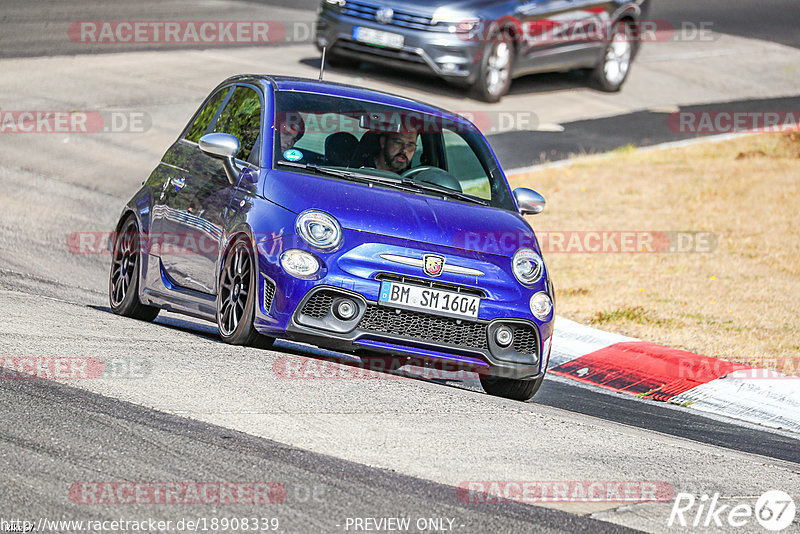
(299, 263)
(456, 24)
(336, 3)
(541, 305)
(465, 26)
(528, 266)
(319, 230)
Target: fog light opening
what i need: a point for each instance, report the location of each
(449, 67)
(504, 336)
(345, 309)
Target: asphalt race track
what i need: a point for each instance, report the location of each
(186, 407)
(141, 444)
(776, 20)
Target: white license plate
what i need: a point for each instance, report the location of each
(377, 37)
(430, 300)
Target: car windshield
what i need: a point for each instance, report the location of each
(350, 139)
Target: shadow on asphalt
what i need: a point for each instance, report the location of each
(532, 84)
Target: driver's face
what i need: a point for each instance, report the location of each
(398, 149)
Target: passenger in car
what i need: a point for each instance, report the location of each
(291, 127)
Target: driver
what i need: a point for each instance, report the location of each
(396, 151)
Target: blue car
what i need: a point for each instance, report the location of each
(350, 219)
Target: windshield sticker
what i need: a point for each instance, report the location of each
(292, 155)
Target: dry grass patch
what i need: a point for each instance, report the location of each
(739, 302)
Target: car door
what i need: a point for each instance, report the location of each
(207, 193)
(170, 197)
(560, 33)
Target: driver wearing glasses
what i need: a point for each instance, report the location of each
(396, 151)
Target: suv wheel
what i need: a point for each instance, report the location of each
(494, 77)
(615, 64)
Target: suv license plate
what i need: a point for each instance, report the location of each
(377, 37)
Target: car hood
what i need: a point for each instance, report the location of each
(408, 216)
(429, 6)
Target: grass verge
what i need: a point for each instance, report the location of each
(735, 296)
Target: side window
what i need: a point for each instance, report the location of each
(464, 163)
(416, 159)
(313, 139)
(206, 115)
(242, 118)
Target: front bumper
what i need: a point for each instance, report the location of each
(444, 54)
(302, 310)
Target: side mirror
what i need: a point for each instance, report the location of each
(529, 202)
(224, 146)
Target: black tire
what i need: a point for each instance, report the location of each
(615, 64)
(496, 68)
(236, 297)
(521, 390)
(123, 280)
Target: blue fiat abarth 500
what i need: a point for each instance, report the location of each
(346, 218)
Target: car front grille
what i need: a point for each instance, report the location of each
(424, 327)
(403, 19)
(319, 304)
(525, 340)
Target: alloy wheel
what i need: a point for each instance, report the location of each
(618, 58)
(234, 288)
(125, 263)
(498, 68)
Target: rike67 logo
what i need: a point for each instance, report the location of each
(774, 510)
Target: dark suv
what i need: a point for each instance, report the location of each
(483, 44)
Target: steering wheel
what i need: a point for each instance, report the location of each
(411, 173)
